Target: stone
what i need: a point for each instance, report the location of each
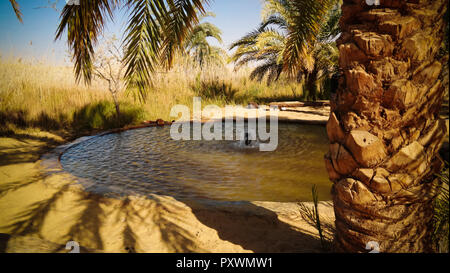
(342, 160)
(367, 149)
(334, 130)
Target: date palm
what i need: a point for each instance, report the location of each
(268, 45)
(198, 47)
(384, 127)
(155, 32)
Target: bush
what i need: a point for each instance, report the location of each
(214, 89)
(102, 115)
(441, 214)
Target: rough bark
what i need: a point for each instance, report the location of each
(384, 128)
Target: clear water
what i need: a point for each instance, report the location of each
(147, 160)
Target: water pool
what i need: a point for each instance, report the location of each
(147, 161)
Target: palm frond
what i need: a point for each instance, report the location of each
(155, 32)
(143, 42)
(181, 19)
(16, 8)
(306, 20)
(84, 23)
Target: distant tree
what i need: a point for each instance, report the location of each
(198, 47)
(155, 32)
(268, 45)
(108, 66)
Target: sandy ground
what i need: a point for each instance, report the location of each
(40, 211)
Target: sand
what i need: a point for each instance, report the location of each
(41, 209)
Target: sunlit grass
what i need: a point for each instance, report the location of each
(47, 97)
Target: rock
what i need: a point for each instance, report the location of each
(160, 122)
(334, 130)
(367, 149)
(343, 161)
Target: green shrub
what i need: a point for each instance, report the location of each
(102, 115)
(441, 214)
(214, 89)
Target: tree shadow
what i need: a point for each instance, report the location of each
(254, 228)
(26, 152)
(308, 112)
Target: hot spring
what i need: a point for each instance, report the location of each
(147, 161)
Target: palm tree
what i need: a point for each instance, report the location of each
(268, 45)
(265, 47)
(155, 33)
(384, 127)
(198, 47)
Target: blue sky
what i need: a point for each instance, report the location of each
(35, 37)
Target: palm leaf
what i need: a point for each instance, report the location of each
(305, 24)
(181, 19)
(16, 8)
(155, 32)
(84, 23)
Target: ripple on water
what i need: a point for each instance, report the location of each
(147, 160)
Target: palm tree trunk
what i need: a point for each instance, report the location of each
(311, 86)
(384, 127)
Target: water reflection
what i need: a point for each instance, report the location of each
(147, 160)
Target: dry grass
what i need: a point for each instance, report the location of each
(47, 97)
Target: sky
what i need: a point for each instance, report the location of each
(34, 39)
